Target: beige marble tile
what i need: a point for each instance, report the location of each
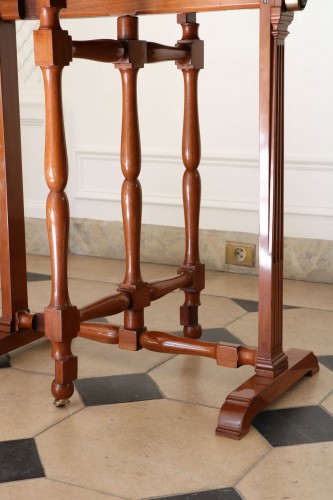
(199, 380)
(81, 292)
(328, 403)
(308, 391)
(38, 264)
(146, 449)
(232, 285)
(294, 472)
(98, 269)
(40, 489)
(27, 404)
(310, 329)
(307, 294)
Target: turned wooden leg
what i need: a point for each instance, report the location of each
(53, 52)
(131, 195)
(276, 371)
(191, 181)
(12, 239)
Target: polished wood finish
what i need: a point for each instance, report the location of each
(53, 51)
(107, 306)
(131, 194)
(273, 31)
(276, 370)
(100, 332)
(249, 399)
(230, 355)
(101, 8)
(12, 237)
(191, 152)
(108, 51)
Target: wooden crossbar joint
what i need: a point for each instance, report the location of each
(191, 39)
(138, 295)
(197, 273)
(53, 46)
(135, 50)
(62, 323)
(129, 340)
(24, 320)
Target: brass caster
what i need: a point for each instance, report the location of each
(61, 402)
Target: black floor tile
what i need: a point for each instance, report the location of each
(38, 277)
(221, 494)
(251, 306)
(4, 361)
(326, 361)
(220, 335)
(308, 424)
(117, 389)
(19, 460)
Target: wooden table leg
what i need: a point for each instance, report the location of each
(12, 236)
(53, 51)
(276, 371)
(131, 195)
(191, 149)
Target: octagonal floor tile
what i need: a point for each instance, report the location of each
(328, 403)
(146, 449)
(27, 404)
(198, 380)
(40, 489)
(302, 328)
(293, 472)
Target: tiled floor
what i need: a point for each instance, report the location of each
(141, 424)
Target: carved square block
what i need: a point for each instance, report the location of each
(198, 277)
(129, 339)
(61, 325)
(227, 355)
(188, 315)
(53, 47)
(66, 370)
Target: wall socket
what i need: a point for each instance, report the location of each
(240, 254)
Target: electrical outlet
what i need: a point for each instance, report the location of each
(240, 254)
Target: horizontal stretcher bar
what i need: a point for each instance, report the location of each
(27, 9)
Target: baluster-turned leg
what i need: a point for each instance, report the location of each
(191, 180)
(131, 190)
(53, 52)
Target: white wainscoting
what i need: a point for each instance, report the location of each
(230, 192)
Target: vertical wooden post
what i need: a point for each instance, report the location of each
(131, 194)
(191, 150)
(12, 236)
(53, 51)
(273, 31)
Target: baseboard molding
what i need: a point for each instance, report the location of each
(304, 259)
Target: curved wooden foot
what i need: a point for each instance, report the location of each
(243, 404)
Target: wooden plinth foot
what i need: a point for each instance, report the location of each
(243, 404)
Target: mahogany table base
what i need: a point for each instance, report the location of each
(250, 398)
(275, 370)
